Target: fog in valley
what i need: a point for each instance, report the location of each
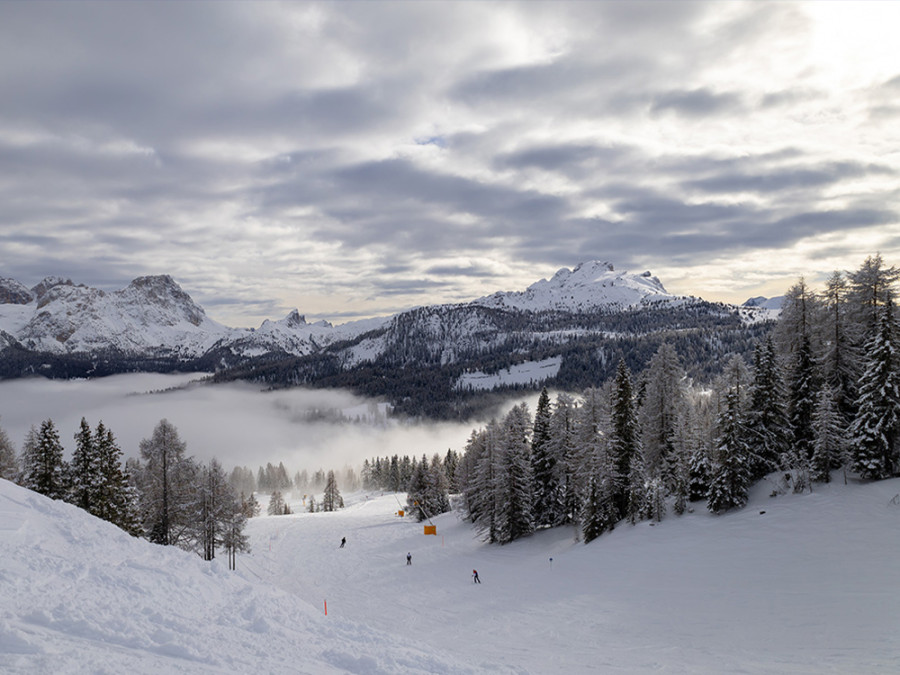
(238, 424)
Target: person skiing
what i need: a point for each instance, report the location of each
(475, 579)
(409, 558)
(343, 541)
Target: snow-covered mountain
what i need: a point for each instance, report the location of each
(583, 320)
(151, 317)
(588, 287)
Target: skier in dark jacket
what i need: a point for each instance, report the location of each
(475, 579)
(409, 558)
(343, 541)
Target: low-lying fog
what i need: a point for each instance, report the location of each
(237, 423)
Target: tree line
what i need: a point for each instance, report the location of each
(163, 496)
(822, 393)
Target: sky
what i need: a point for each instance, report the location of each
(353, 159)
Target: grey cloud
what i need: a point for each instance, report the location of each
(789, 178)
(696, 102)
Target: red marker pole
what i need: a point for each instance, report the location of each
(326, 608)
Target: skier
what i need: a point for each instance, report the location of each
(475, 579)
(343, 541)
(409, 558)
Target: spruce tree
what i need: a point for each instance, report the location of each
(276, 504)
(332, 500)
(766, 419)
(874, 433)
(624, 443)
(516, 492)
(729, 468)
(9, 463)
(562, 448)
(543, 465)
(84, 470)
(116, 500)
(43, 468)
(801, 407)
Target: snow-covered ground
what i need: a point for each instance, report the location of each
(812, 585)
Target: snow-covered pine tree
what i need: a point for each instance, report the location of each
(562, 447)
(9, 463)
(276, 504)
(43, 468)
(729, 468)
(636, 506)
(700, 473)
(543, 466)
(655, 495)
(116, 500)
(332, 499)
(516, 491)
(766, 418)
(874, 432)
(801, 406)
(84, 470)
(474, 498)
(624, 437)
(829, 442)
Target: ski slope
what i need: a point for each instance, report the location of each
(812, 585)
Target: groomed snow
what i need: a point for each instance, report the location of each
(810, 586)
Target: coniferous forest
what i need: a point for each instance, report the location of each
(819, 399)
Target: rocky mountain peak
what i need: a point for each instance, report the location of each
(14, 293)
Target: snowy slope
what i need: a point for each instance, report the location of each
(77, 595)
(811, 585)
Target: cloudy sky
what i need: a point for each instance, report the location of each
(352, 159)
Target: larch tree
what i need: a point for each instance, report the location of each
(662, 406)
(830, 439)
(167, 479)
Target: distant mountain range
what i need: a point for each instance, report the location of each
(579, 319)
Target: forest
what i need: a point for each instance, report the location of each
(820, 398)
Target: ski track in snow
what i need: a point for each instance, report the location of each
(810, 586)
